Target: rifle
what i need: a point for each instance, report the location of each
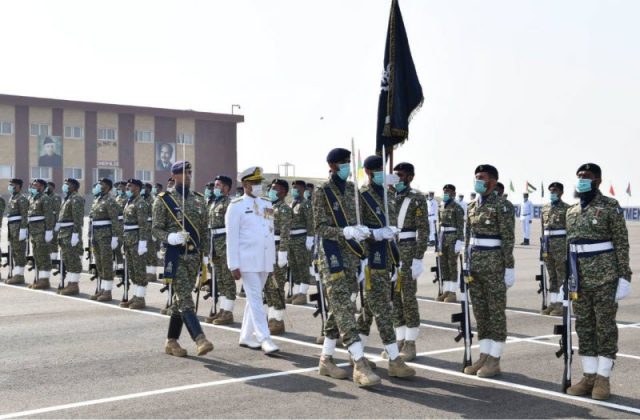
(564, 329)
(62, 270)
(354, 169)
(125, 280)
(198, 286)
(9, 260)
(464, 316)
(542, 277)
(290, 291)
(318, 297)
(31, 261)
(437, 268)
(93, 269)
(213, 291)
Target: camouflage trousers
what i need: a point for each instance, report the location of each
(377, 304)
(54, 242)
(489, 299)
(299, 260)
(18, 252)
(556, 262)
(405, 304)
(151, 257)
(448, 259)
(274, 288)
(41, 252)
(225, 283)
(136, 266)
(103, 255)
(184, 283)
(71, 256)
(596, 321)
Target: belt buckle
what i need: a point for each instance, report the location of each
(190, 247)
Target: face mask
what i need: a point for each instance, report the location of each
(584, 185)
(399, 186)
(154, 191)
(207, 193)
(97, 190)
(378, 177)
(553, 197)
(217, 192)
(129, 194)
(480, 186)
(33, 191)
(295, 193)
(344, 171)
(65, 189)
(143, 192)
(256, 190)
(11, 189)
(307, 195)
(170, 189)
(446, 197)
(122, 193)
(273, 195)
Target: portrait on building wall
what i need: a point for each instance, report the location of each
(165, 156)
(50, 151)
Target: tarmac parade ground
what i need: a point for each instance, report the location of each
(69, 357)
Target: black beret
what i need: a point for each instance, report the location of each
(490, 169)
(556, 185)
(148, 185)
(310, 185)
(106, 181)
(16, 181)
(300, 183)
(282, 182)
(171, 180)
(373, 162)
(180, 166)
(51, 184)
(591, 167)
(134, 181)
(118, 183)
(210, 184)
(39, 181)
(449, 187)
(406, 167)
(500, 185)
(73, 182)
(224, 179)
(338, 155)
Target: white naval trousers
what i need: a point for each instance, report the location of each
(526, 228)
(432, 228)
(254, 320)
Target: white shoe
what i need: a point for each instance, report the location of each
(268, 347)
(250, 343)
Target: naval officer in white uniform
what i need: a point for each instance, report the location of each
(251, 255)
(526, 217)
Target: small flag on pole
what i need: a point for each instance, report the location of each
(511, 186)
(360, 167)
(611, 190)
(629, 189)
(542, 189)
(530, 188)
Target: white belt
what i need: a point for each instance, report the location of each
(218, 231)
(599, 247)
(485, 242)
(65, 224)
(120, 217)
(97, 223)
(14, 218)
(276, 237)
(298, 231)
(131, 227)
(448, 229)
(407, 235)
(35, 218)
(149, 219)
(556, 232)
(432, 214)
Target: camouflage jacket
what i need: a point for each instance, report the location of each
(3, 204)
(325, 224)
(492, 217)
(601, 220)
(18, 206)
(452, 215)
(195, 208)
(40, 205)
(71, 210)
(104, 208)
(282, 224)
(217, 211)
(135, 214)
(416, 218)
(554, 215)
(302, 217)
(56, 203)
(368, 217)
(510, 206)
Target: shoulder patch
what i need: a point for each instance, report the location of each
(620, 210)
(198, 194)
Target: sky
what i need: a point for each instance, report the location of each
(535, 88)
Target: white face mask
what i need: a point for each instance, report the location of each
(256, 190)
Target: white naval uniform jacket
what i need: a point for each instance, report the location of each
(433, 210)
(250, 242)
(526, 210)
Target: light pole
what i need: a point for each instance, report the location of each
(234, 106)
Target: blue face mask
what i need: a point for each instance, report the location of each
(446, 198)
(307, 195)
(295, 193)
(143, 192)
(400, 186)
(97, 190)
(129, 194)
(207, 193)
(217, 192)
(584, 185)
(273, 195)
(480, 186)
(154, 191)
(65, 189)
(344, 171)
(553, 197)
(11, 189)
(378, 177)
(33, 191)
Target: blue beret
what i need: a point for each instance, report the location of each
(338, 155)
(180, 166)
(490, 169)
(591, 167)
(373, 162)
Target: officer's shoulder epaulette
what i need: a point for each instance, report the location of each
(265, 199)
(161, 194)
(198, 194)
(237, 199)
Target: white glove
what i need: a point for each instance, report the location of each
(458, 246)
(22, 235)
(385, 233)
(142, 247)
(416, 268)
(363, 265)
(48, 236)
(391, 179)
(178, 238)
(205, 260)
(74, 239)
(509, 277)
(282, 259)
(363, 231)
(350, 232)
(57, 227)
(623, 290)
(309, 243)
(114, 242)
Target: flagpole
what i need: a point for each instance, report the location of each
(391, 161)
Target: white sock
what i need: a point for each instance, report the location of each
(19, 271)
(412, 333)
(226, 304)
(553, 298)
(304, 288)
(364, 339)
(140, 291)
(353, 297)
(560, 297)
(278, 314)
(43, 274)
(401, 333)
(53, 255)
(392, 350)
(485, 346)
(589, 364)
(496, 349)
(451, 287)
(270, 312)
(604, 366)
(329, 346)
(106, 285)
(73, 277)
(356, 350)
(295, 289)
(151, 269)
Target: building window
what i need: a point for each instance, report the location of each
(43, 172)
(40, 129)
(143, 136)
(6, 128)
(73, 173)
(144, 176)
(6, 172)
(107, 134)
(73, 132)
(185, 138)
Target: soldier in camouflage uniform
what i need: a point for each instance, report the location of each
(2, 207)
(413, 238)
(225, 283)
(17, 225)
(554, 237)
(167, 227)
(56, 203)
(451, 239)
(300, 243)
(489, 240)
(500, 193)
(104, 225)
(41, 225)
(70, 222)
(274, 288)
(120, 189)
(599, 249)
(136, 236)
(152, 256)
